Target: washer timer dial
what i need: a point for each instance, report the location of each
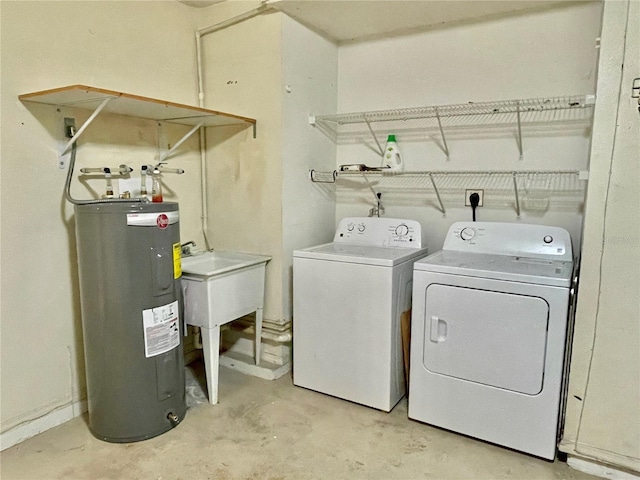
(402, 230)
(467, 233)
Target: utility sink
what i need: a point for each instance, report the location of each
(210, 264)
(218, 288)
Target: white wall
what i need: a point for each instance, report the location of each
(309, 84)
(543, 54)
(242, 74)
(144, 48)
(603, 410)
(260, 197)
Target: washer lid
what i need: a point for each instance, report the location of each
(361, 254)
(499, 267)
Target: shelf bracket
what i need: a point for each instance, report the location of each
(180, 142)
(61, 161)
(435, 188)
(515, 189)
(366, 180)
(444, 140)
(380, 149)
(519, 132)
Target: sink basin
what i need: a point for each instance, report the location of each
(219, 287)
(214, 263)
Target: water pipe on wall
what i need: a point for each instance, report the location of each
(203, 146)
(67, 185)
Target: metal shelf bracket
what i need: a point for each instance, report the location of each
(181, 141)
(62, 163)
(444, 140)
(519, 132)
(435, 188)
(380, 149)
(515, 189)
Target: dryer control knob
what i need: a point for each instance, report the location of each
(467, 233)
(361, 227)
(548, 239)
(350, 227)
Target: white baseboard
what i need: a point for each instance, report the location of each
(32, 428)
(599, 470)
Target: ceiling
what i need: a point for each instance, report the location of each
(200, 3)
(358, 20)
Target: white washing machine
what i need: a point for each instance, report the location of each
(489, 325)
(348, 298)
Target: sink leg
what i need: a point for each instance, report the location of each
(211, 352)
(258, 334)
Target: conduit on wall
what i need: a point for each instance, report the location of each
(203, 144)
(203, 147)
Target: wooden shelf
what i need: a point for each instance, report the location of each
(99, 100)
(82, 96)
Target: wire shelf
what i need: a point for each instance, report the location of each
(465, 109)
(569, 114)
(533, 190)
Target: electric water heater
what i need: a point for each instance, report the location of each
(129, 268)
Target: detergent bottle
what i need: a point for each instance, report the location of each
(391, 159)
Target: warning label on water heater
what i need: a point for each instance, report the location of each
(161, 329)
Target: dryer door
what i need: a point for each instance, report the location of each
(493, 338)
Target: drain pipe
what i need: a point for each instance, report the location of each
(203, 144)
(203, 151)
(281, 338)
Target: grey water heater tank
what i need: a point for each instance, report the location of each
(129, 267)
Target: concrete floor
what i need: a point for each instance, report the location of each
(272, 430)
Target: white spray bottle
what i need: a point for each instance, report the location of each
(391, 159)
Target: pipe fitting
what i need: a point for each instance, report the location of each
(173, 418)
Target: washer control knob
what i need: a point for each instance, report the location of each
(467, 233)
(350, 227)
(361, 227)
(402, 230)
(547, 239)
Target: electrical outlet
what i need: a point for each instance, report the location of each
(69, 127)
(467, 194)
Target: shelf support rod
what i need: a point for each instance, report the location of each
(435, 188)
(180, 142)
(444, 140)
(380, 149)
(519, 131)
(366, 180)
(80, 131)
(515, 189)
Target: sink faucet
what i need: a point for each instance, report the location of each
(185, 248)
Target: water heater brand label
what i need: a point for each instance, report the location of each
(161, 329)
(161, 220)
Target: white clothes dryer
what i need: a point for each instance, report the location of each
(489, 326)
(348, 298)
